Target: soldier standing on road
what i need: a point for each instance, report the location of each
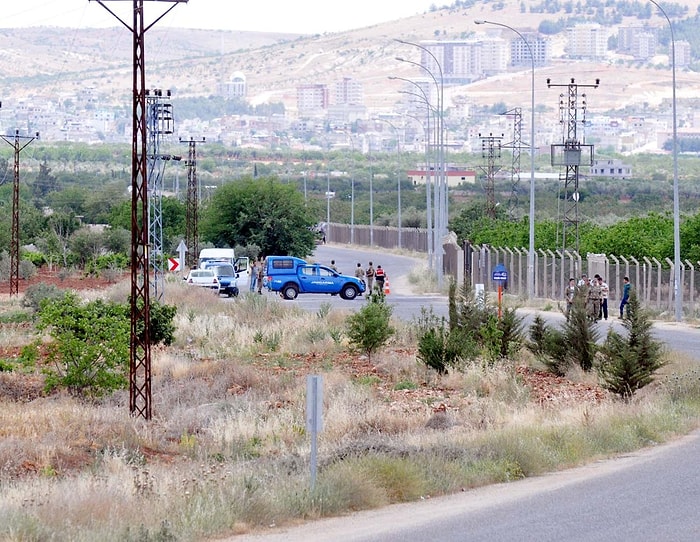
(360, 273)
(333, 266)
(380, 275)
(625, 296)
(594, 297)
(570, 295)
(370, 278)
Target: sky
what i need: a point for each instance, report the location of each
(294, 16)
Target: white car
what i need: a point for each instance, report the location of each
(205, 278)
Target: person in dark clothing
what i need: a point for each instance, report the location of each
(625, 295)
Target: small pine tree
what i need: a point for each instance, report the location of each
(549, 347)
(369, 328)
(580, 335)
(629, 363)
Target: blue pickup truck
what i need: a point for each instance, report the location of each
(293, 276)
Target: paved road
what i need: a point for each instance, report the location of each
(649, 496)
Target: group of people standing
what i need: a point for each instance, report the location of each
(371, 277)
(595, 293)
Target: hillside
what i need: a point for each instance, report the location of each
(47, 62)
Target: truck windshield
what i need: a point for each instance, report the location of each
(224, 270)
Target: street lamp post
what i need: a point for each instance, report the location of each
(677, 290)
(531, 242)
(441, 194)
(398, 175)
(428, 202)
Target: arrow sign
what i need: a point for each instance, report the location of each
(173, 264)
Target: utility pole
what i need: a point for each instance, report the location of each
(140, 334)
(15, 142)
(570, 154)
(491, 149)
(192, 204)
(515, 146)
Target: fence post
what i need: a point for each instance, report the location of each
(636, 278)
(691, 297)
(555, 291)
(671, 289)
(617, 275)
(648, 268)
(658, 282)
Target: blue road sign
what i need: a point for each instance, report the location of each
(500, 273)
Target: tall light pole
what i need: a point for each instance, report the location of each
(441, 196)
(428, 202)
(677, 290)
(398, 175)
(531, 243)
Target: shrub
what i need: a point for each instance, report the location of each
(580, 336)
(629, 363)
(36, 293)
(369, 328)
(89, 354)
(549, 347)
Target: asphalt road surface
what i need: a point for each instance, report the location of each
(649, 496)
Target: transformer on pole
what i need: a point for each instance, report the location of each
(140, 335)
(571, 154)
(16, 142)
(159, 123)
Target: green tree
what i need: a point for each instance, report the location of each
(629, 363)
(262, 212)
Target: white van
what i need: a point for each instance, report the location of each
(209, 256)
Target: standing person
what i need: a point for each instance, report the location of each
(333, 266)
(360, 273)
(570, 294)
(370, 278)
(594, 297)
(260, 275)
(379, 276)
(254, 275)
(625, 295)
(605, 293)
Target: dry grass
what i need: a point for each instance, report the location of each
(227, 450)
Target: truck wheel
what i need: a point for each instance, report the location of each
(290, 291)
(349, 292)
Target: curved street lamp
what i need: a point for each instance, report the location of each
(441, 193)
(677, 290)
(531, 241)
(428, 203)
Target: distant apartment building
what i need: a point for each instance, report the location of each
(683, 56)
(639, 41)
(454, 175)
(587, 41)
(348, 91)
(347, 105)
(459, 60)
(612, 169)
(235, 87)
(520, 52)
(313, 99)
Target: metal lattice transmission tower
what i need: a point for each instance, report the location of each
(570, 155)
(192, 204)
(159, 124)
(18, 143)
(515, 146)
(140, 334)
(490, 149)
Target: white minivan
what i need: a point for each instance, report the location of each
(227, 255)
